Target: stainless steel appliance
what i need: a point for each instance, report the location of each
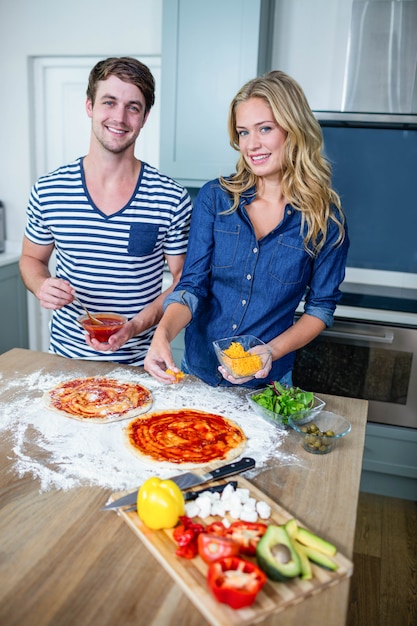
(381, 61)
(373, 58)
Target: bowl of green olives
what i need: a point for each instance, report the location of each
(321, 434)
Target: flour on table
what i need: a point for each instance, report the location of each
(63, 453)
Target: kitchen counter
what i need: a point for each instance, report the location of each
(11, 253)
(64, 562)
(7, 258)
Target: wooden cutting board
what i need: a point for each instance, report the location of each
(190, 575)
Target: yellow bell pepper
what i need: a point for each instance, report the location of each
(160, 503)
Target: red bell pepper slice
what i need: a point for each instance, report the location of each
(213, 547)
(234, 581)
(188, 522)
(247, 535)
(183, 536)
(187, 552)
(186, 535)
(216, 528)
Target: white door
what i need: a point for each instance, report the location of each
(61, 133)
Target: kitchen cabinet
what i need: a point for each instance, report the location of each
(390, 461)
(209, 50)
(14, 325)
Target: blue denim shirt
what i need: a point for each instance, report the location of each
(235, 284)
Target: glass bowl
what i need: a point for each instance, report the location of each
(320, 436)
(112, 322)
(282, 421)
(240, 364)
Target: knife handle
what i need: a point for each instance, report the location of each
(233, 468)
(193, 495)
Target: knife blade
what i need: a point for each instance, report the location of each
(193, 495)
(188, 479)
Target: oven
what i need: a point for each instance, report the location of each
(371, 361)
(370, 352)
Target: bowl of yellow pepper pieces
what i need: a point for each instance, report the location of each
(242, 356)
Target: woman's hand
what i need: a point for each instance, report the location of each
(159, 359)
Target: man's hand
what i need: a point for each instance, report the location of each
(54, 293)
(116, 341)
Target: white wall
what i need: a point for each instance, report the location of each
(46, 27)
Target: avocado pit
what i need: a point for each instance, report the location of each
(281, 553)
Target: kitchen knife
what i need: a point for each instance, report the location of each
(193, 495)
(187, 480)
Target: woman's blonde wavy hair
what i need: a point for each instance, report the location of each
(306, 174)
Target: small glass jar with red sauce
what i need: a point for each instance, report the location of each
(111, 323)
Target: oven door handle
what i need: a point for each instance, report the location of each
(387, 337)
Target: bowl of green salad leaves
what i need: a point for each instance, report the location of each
(277, 402)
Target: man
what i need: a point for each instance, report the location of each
(112, 220)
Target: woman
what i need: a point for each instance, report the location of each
(261, 240)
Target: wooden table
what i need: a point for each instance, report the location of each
(65, 563)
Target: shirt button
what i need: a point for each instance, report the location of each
(234, 326)
(289, 211)
(243, 302)
(255, 250)
(249, 276)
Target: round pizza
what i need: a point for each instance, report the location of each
(98, 399)
(186, 438)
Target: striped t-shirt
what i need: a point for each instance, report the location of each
(114, 262)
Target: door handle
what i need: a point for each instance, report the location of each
(387, 337)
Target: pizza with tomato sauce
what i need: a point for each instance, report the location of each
(98, 399)
(185, 438)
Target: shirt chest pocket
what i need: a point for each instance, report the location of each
(142, 239)
(225, 246)
(289, 262)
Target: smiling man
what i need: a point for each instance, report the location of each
(112, 220)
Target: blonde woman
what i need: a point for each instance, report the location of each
(261, 241)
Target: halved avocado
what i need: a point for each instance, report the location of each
(276, 555)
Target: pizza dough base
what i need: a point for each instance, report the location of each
(231, 455)
(105, 418)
